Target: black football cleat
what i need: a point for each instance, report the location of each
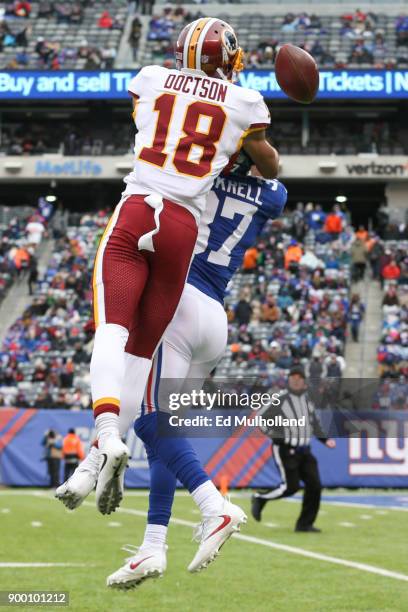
(308, 529)
(257, 504)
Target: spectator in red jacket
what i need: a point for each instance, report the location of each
(105, 20)
(22, 9)
(391, 271)
(333, 224)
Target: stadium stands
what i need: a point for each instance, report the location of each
(393, 350)
(82, 135)
(299, 303)
(7, 267)
(344, 136)
(302, 309)
(354, 39)
(79, 35)
(284, 312)
(17, 246)
(86, 35)
(44, 355)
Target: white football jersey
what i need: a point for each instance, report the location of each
(189, 125)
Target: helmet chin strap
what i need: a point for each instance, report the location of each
(222, 75)
(239, 61)
(237, 66)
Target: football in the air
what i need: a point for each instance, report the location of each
(297, 73)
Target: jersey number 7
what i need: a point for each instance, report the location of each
(156, 154)
(228, 236)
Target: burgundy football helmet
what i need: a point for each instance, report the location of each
(210, 45)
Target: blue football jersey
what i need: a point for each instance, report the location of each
(237, 210)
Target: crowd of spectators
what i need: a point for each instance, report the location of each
(393, 350)
(52, 55)
(87, 135)
(290, 303)
(14, 257)
(19, 239)
(388, 264)
(163, 29)
(18, 31)
(350, 40)
(44, 360)
(32, 137)
(346, 136)
(368, 41)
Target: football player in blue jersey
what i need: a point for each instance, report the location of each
(237, 210)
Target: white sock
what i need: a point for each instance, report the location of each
(208, 498)
(107, 368)
(133, 388)
(107, 424)
(154, 537)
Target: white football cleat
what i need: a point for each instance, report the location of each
(145, 563)
(213, 532)
(74, 490)
(114, 456)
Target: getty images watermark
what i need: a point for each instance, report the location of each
(220, 400)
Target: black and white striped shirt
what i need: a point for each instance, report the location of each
(294, 406)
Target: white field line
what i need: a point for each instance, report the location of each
(283, 547)
(351, 504)
(234, 494)
(290, 549)
(12, 564)
(312, 555)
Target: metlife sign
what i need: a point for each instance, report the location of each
(334, 84)
(76, 168)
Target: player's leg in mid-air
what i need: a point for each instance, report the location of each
(83, 481)
(74, 491)
(139, 274)
(189, 352)
(182, 333)
(150, 559)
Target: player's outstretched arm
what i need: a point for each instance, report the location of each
(263, 154)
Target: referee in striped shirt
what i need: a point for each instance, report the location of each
(292, 453)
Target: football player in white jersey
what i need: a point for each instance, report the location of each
(237, 210)
(190, 121)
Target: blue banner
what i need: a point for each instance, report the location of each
(374, 454)
(62, 85)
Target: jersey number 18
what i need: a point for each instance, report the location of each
(156, 154)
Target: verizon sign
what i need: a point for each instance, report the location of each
(377, 169)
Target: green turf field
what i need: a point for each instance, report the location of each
(248, 576)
